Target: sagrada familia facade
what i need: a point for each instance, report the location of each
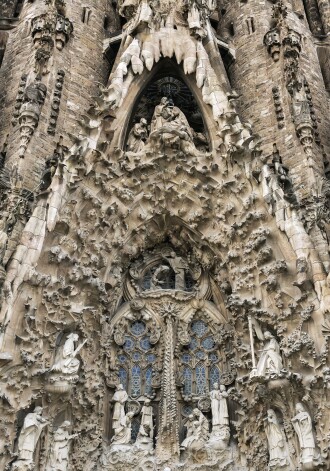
(164, 235)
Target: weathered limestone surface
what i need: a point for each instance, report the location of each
(164, 235)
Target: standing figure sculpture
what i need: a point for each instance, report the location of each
(30, 434)
(120, 397)
(178, 265)
(302, 424)
(278, 456)
(220, 434)
(219, 405)
(59, 454)
(270, 361)
(146, 431)
(67, 363)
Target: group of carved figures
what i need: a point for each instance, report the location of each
(33, 425)
(198, 435)
(169, 126)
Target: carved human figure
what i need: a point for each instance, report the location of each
(270, 361)
(123, 432)
(219, 406)
(190, 426)
(302, 424)
(59, 454)
(178, 265)
(147, 419)
(198, 431)
(120, 397)
(278, 456)
(67, 363)
(30, 434)
(137, 136)
(172, 123)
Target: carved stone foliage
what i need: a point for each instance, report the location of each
(49, 30)
(166, 303)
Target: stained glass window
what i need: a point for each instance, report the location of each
(123, 377)
(135, 428)
(135, 359)
(148, 381)
(187, 379)
(199, 360)
(136, 381)
(138, 328)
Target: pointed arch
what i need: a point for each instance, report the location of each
(138, 87)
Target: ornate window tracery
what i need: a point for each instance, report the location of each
(136, 359)
(199, 360)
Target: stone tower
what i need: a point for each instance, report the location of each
(164, 235)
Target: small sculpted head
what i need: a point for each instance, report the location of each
(38, 410)
(300, 407)
(216, 386)
(268, 335)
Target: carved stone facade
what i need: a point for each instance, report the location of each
(164, 236)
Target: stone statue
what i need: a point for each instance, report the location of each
(120, 397)
(123, 432)
(270, 361)
(190, 426)
(219, 406)
(147, 418)
(67, 363)
(198, 430)
(179, 266)
(278, 456)
(59, 454)
(302, 424)
(30, 434)
(146, 431)
(137, 136)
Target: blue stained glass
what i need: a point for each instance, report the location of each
(135, 428)
(122, 359)
(145, 344)
(136, 356)
(187, 410)
(136, 381)
(208, 343)
(129, 343)
(199, 328)
(123, 377)
(200, 379)
(151, 357)
(193, 344)
(187, 380)
(214, 376)
(200, 355)
(185, 358)
(148, 386)
(213, 357)
(138, 328)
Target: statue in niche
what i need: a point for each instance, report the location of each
(198, 430)
(170, 125)
(156, 281)
(120, 397)
(123, 430)
(219, 406)
(146, 431)
(220, 434)
(190, 426)
(303, 426)
(59, 454)
(278, 456)
(30, 434)
(67, 363)
(178, 265)
(270, 361)
(137, 136)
